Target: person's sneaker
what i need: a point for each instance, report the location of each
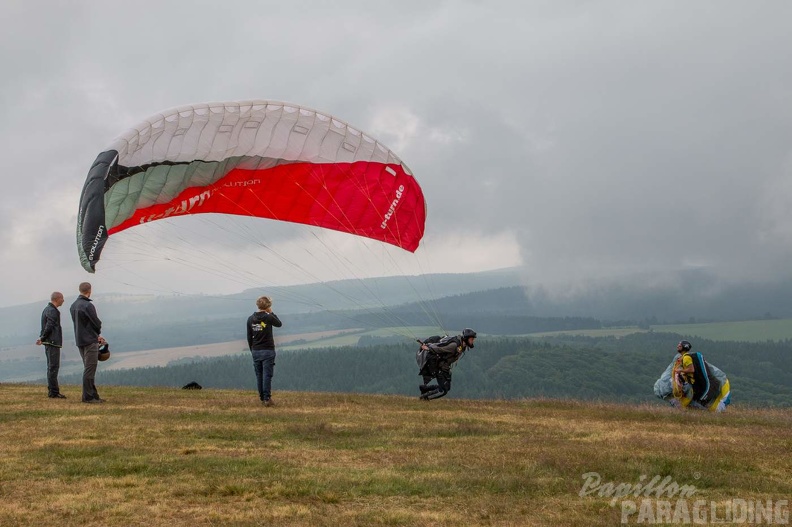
(268, 402)
(57, 396)
(94, 401)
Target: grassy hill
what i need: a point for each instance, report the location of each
(216, 457)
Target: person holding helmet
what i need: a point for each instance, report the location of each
(439, 358)
(262, 346)
(87, 336)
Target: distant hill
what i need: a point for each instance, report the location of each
(148, 312)
(493, 302)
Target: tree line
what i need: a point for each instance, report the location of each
(588, 368)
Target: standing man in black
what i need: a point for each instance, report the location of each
(51, 337)
(87, 336)
(262, 346)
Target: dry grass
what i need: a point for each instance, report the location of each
(212, 457)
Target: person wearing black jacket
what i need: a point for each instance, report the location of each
(439, 358)
(51, 337)
(262, 346)
(87, 337)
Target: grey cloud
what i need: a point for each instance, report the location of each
(608, 137)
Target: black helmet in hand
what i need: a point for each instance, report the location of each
(104, 351)
(468, 333)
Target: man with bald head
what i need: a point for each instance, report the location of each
(51, 337)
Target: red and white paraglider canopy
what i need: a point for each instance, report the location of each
(252, 158)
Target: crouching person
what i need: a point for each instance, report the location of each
(693, 383)
(437, 360)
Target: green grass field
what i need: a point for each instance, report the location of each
(217, 457)
(607, 332)
(747, 330)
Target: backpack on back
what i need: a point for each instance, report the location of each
(421, 354)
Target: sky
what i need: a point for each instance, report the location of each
(579, 140)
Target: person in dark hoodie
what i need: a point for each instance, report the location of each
(262, 346)
(51, 337)
(87, 337)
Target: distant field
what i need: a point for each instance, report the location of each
(319, 339)
(161, 357)
(351, 337)
(178, 458)
(609, 332)
(748, 330)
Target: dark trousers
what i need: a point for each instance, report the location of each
(53, 365)
(443, 386)
(264, 366)
(90, 358)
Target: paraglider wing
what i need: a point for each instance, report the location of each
(254, 158)
(710, 389)
(91, 228)
(663, 387)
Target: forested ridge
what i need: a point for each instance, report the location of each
(588, 368)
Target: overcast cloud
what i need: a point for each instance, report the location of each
(580, 139)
